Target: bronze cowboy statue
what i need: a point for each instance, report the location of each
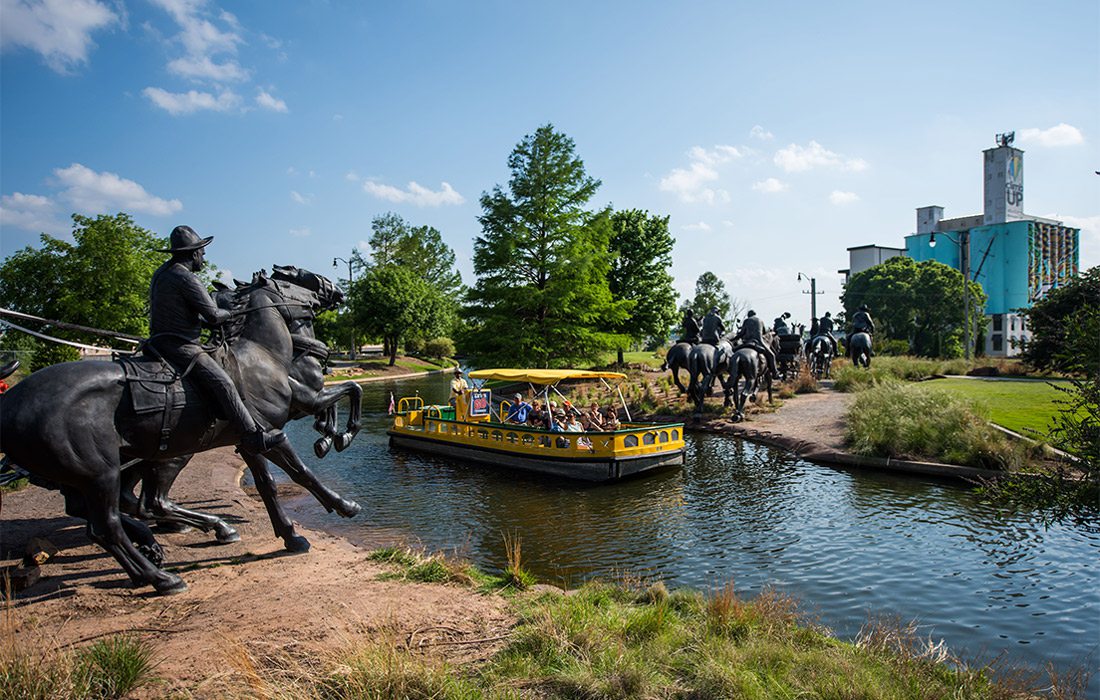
(751, 335)
(780, 324)
(690, 328)
(859, 342)
(713, 328)
(178, 306)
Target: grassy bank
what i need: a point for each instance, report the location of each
(627, 640)
(1027, 407)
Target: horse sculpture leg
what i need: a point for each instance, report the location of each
(280, 523)
(284, 456)
(156, 482)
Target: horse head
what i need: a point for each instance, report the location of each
(328, 295)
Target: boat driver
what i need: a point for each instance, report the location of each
(459, 391)
(178, 306)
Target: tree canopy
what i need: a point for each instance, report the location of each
(710, 292)
(542, 297)
(1065, 327)
(918, 302)
(100, 279)
(642, 250)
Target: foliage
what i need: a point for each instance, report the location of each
(711, 292)
(100, 279)
(1027, 407)
(108, 668)
(920, 303)
(439, 347)
(1065, 327)
(542, 296)
(913, 422)
(642, 248)
(393, 302)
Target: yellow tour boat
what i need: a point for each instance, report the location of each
(475, 429)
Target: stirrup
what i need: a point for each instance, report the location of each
(260, 441)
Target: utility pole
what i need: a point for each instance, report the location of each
(964, 263)
(813, 294)
(351, 324)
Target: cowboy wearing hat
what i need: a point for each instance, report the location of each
(862, 322)
(178, 306)
(713, 328)
(751, 334)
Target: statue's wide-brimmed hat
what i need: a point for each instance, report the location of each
(183, 239)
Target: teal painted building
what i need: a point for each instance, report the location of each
(1016, 258)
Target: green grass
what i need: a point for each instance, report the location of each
(1027, 406)
(913, 421)
(108, 668)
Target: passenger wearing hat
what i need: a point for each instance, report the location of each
(178, 306)
(713, 328)
(519, 411)
(459, 393)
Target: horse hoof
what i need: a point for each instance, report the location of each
(296, 544)
(319, 425)
(343, 440)
(227, 535)
(322, 446)
(170, 585)
(347, 508)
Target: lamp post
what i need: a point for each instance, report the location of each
(963, 241)
(351, 347)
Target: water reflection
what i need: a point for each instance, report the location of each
(847, 543)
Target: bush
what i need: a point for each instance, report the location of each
(912, 422)
(439, 347)
(891, 347)
(46, 354)
(414, 346)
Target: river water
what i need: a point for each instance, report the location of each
(849, 545)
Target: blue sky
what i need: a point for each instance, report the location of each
(776, 135)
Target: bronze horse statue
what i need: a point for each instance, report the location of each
(676, 359)
(308, 397)
(859, 349)
(706, 363)
(75, 426)
(749, 365)
(821, 357)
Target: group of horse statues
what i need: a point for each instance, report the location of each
(742, 370)
(97, 431)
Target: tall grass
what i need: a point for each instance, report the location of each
(108, 668)
(913, 422)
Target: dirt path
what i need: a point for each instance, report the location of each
(249, 592)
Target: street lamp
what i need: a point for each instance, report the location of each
(963, 241)
(351, 322)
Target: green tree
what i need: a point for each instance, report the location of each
(1065, 327)
(642, 248)
(918, 302)
(393, 302)
(542, 295)
(710, 292)
(100, 279)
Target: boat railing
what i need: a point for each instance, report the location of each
(409, 403)
(629, 439)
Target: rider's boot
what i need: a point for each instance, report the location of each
(259, 440)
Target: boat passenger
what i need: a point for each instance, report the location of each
(592, 420)
(610, 419)
(519, 411)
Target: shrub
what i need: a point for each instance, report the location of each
(414, 346)
(439, 347)
(46, 354)
(112, 667)
(895, 420)
(891, 347)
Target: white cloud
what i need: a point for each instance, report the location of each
(291, 170)
(728, 224)
(301, 232)
(338, 117)
(59, 30)
(179, 103)
(796, 159)
(700, 226)
(838, 197)
(31, 212)
(198, 34)
(415, 194)
(351, 176)
(267, 101)
(1061, 135)
(204, 68)
(304, 199)
(689, 184)
(96, 192)
(759, 132)
(770, 186)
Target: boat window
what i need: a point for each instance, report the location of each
(630, 441)
(544, 441)
(512, 437)
(482, 434)
(664, 436)
(562, 443)
(497, 436)
(528, 440)
(649, 438)
(675, 434)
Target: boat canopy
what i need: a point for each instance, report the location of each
(542, 376)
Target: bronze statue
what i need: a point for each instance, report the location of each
(747, 364)
(77, 424)
(751, 334)
(690, 328)
(713, 328)
(858, 342)
(178, 306)
(676, 359)
(707, 362)
(780, 324)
